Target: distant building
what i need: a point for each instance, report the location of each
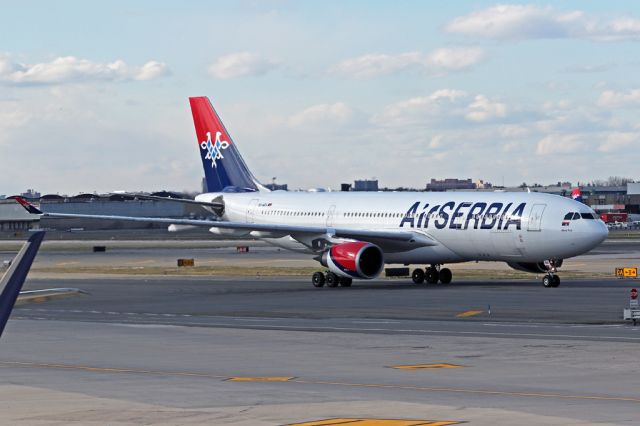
(345, 187)
(450, 184)
(31, 193)
(15, 218)
(365, 185)
(480, 184)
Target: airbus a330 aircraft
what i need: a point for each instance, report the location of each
(354, 234)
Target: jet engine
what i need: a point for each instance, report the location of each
(537, 267)
(354, 260)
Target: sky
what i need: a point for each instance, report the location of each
(93, 96)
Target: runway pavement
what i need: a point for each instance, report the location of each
(187, 300)
(275, 350)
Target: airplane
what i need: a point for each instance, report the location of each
(355, 234)
(12, 281)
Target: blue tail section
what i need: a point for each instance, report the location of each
(12, 281)
(224, 168)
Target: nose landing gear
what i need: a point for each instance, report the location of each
(551, 279)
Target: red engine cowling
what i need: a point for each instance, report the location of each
(354, 260)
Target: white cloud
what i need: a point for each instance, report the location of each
(559, 144)
(518, 22)
(483, 109)
(378, 65)
(617, 141)
(420, 107)
(454, 59)
(329, 114)
(612, 99)
(69, 69)
(241, 64)
(151, 70)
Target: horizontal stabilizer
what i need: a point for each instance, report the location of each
(37, 296)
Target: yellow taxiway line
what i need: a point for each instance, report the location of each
(425, 366)
(18, 364)
(466, 314)
(375, 422)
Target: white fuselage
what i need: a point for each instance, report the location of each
(493, 226)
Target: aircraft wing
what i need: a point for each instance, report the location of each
(215, 205)
(385, 238)
(12, 281)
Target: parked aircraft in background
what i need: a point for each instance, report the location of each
(576, 194)
(354, 234)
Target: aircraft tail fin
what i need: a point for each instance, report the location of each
(13, 279)
(224, 168)
(576, 194)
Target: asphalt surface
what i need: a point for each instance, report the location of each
(162, 350)
(298, 305)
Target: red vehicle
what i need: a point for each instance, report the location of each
(614, 217)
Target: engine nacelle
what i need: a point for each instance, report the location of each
(354, 260)
(536, 267)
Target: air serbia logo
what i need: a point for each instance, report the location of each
(214, 149)
(464, 215)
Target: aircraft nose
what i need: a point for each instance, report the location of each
(598, 233)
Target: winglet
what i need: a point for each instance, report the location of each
(28, 206)
(12, 281)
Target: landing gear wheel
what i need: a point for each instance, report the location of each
(332, 280)
(431, 275)
(547, 281)
(345, 282)
(445, 275)
(556, 281)
(417, 276)
(317, 279)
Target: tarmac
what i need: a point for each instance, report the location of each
(275, 351)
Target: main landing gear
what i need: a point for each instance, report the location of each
(319, 279)
(432, 275)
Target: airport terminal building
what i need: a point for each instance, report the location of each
(14, 218)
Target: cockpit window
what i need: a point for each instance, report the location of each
(568, 216)
(588, 216)
(576, 216)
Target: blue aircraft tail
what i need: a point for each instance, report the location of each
(224, 168)
(13, 279)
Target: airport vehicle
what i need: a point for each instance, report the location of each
(614, 217)
(354, 234)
